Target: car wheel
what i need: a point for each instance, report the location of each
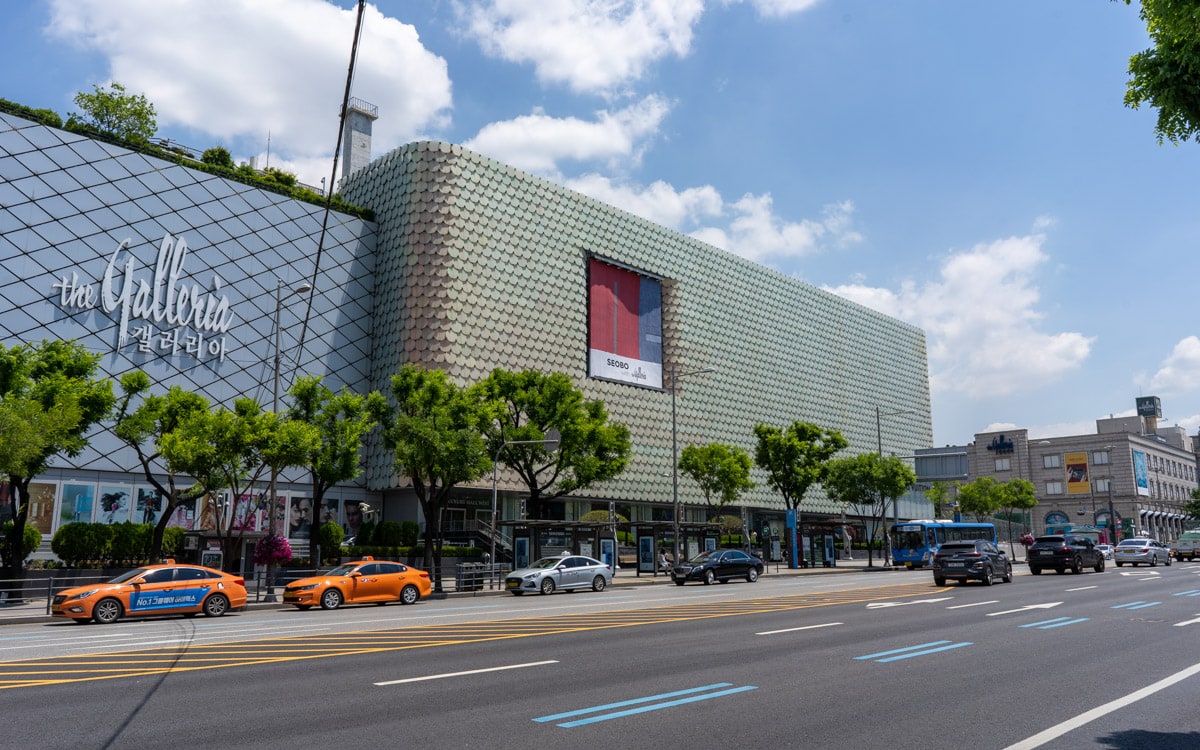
(1154, 561)
(1168, 561)
(987, 577)
(1035, 571)
(1077, 565)
(409, 594)
(331, 599)
(939, 581)
(216, 605)
(1099, 566)
(598, 583)
(1008, 573)
(107, 611)
(679, 583)
(547, 586)
(752, 575)
(709, 577)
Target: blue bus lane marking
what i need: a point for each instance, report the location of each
(908, 652)
(664, 701)
(1193, 592)
(1136, 605)
(1057, 622)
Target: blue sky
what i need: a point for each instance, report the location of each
(967, 167)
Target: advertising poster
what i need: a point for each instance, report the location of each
(608, 554)
(6, 503)
(624, 325)
(77, 503)
(1141, 477)
(1077, 474)
(149, 506)
(184, 515)
(245, 513)
(300, 518)
(41, 507)
(329, 511)
(646, 554)
(115, 501)
(208, 513)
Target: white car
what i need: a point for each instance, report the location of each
(569, 573)
(1106, 550)
(1141, 551)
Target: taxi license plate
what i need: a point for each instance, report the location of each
(512, 584)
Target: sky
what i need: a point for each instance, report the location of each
(967, 167)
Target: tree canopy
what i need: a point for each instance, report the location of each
(116, 112)
(865, 483)
(343, 421)
(721, 470)
(1167, 75)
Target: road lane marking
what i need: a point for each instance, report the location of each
(1136, 605)
(1193, 592)
(1058, 730)
(882, 605)
(806, 627)
(1082, 588)
(468, 672)
(1057, 622)
(1026, 608)
(921, 649)
(1187, 622)
(974, 604)
(693, 695)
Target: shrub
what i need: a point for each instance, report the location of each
(366, 533)
(78, 543)
(31, 539)
(409, 533)
(172, 541)
(130, 543)
(389, 534)
(218, 156)
(330, 538)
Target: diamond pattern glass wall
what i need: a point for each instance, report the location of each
(67, 202)
(482, 266)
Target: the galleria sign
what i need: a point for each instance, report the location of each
(162, 313)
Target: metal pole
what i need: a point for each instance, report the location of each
(674, 467)
(887, 539)
(492, 532)
(270, 597)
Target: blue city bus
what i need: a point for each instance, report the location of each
(915, 542)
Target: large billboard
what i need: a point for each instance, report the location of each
(1077, 474)
(624, 325)
(1141, 477)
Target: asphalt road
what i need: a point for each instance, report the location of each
(1106, 660)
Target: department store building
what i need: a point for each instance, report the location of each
(463, 264)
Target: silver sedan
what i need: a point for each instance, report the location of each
(569, 573)
(1141, 551)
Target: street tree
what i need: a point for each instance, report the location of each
(343, 420)
(142, 427)
(435, 431)
(526, 406)
(50, 398)
(721, 470)
(865, 483)
(1015, 497)
(234, 449)
(980, 497)
(939, 494)
(794, 458)
(1167, 75)
(113, 110)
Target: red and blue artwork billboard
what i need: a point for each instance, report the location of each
(624, 325)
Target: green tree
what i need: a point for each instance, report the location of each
(1167, 76)
(218, 156)
(865, 483)
(50, 398)
(939, 495)
(794, 458)
(526, 406)
(980, 497)
(342, 420)
(1016, 496)
(235, 449)
(116, 112)
(435, 432)
(721, 470)
(143, 428)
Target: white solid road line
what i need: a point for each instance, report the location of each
(468, 672)
(806, 627)
(1069, 725)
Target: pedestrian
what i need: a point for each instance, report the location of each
(663, 563)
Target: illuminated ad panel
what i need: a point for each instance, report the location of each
(1077, 474)
(624, 325)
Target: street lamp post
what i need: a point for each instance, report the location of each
(675, 451)
(301, 288)
(551, 441)
(887, 539)
(1112, 516)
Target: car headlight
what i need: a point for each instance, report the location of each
(85, 594)
(309, 587)
(530, 576)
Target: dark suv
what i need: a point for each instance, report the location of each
(1062, 553)
(975, 560)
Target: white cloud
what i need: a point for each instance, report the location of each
(982, 320)
(592, 46)
(660, 202)
(777, 8)
(239, 69)
(537, 142)
(1180, 371)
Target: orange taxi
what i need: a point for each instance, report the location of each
(165, 589)
(364, 581)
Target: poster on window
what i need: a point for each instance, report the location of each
(624, 325)
(77, 503)
(115, 502)
(149, 506)
(1141, 477)
(184, 515)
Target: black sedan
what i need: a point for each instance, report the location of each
(718, 565)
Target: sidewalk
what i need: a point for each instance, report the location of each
(36, 610)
